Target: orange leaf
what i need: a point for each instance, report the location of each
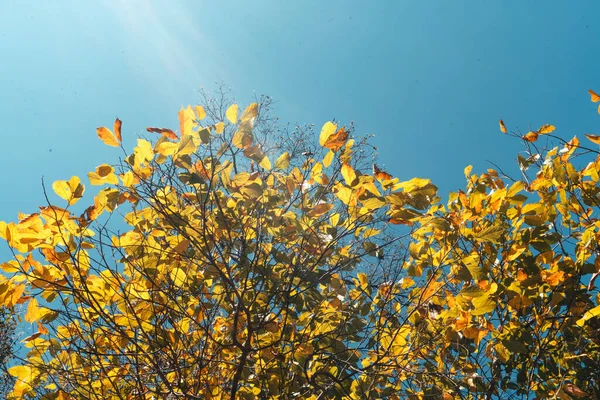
(164, 131)
(337, 140)
(502, 126)
(531, 136)
(595, 97)
(379, 174)
(107, 136)
(117, 128)
(593, 138)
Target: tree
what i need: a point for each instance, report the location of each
(254, 267)
(7, 342)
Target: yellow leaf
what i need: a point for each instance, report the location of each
(143, 151)
(283, 161)
(373, 203)
(104, 174)
(71, 190)
(21, 372)
(186, 120)
(250, 112)
(468, 170)
(232, 113)
(593, 138)
(128, 179)
(200, 113)
(265, 163)
(166, 148)
(364, 281)
(483, 305)
(595, 97)
(186, 146)
(219, 127)
(33, 311)
(544, 129)
(242, 139)
(594, 312)
(178, 276)
(327, 130)
(502, 126)
(328, 159)
(348, 174)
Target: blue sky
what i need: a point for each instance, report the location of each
(429, 78)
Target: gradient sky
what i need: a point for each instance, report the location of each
(429, 78)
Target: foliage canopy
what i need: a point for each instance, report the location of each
(254, 263)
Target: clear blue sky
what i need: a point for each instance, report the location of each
(429, 78)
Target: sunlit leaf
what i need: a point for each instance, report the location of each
(380, 174)
(186, 121)
(335, 141)
(232, 113)
(283, 162)
(164, 131)
(33, 311)
(250, 113)
(594, 312)
(544, 129)
(531, 136)
(104, 174)
(593, 138)
(71, 190)
(200, 112)
(348, 174)
(108, 137)
(328, 129)
(502, 126)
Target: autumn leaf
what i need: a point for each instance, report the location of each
(200, 112)
(283, 162)
(164, 131)
(250, 113)
(544, 129)
(327, 130)
(71, 190)
(186, 121)
(33, 311)
(348, 174)
(335, 141)
(502, 126)
(531, 136)
(232, 113)
(593, 138)
(380, 174)
(595, 97)
(117, 129)
(108, 137)
(22, 373)
(575, 391)
(104, 174)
